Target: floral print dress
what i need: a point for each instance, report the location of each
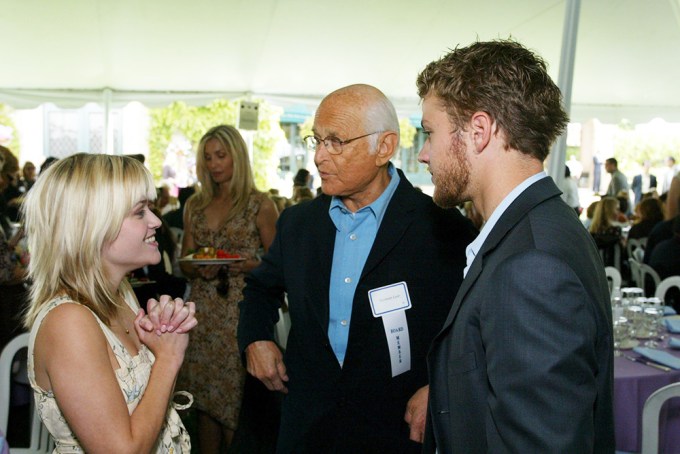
(212, 370)
(132, 376)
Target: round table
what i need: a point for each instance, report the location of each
(633, 384)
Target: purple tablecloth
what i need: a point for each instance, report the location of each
(633, 384)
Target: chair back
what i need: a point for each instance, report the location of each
(646, 270)
(650, 416)
(636, 248)
(613, 278)
(665, 285)
(40, 441)
(635, 272)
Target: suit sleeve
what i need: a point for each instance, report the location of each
(262, 297)
(539, 332)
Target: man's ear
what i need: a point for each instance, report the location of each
(482, 127)
(387, 146)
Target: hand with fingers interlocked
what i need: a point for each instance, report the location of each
(169, 315)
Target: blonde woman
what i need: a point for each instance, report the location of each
(226, 212)
(605, 229)
(102, 383)
(605, 219)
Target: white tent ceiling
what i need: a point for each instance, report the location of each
(295, 51)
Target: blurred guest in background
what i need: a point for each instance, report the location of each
(569, 190)
(302, 193)
(673, 198)
(649, 213)
(643, 182)
(29, 175)
(590, 214)
(665, 258)
(12, 273)
(302, 179)
(163, 201)
(618, 182)
(606, 228)
(606, 218)
(226, 212)
(175, 218)
(473, 215)
(47, 163)
(669, 172)
(12, 191)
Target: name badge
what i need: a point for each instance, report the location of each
(390, 303)
(390, 298)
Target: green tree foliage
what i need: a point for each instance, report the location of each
(407, 133)
(194, 121)
(633, 145)
(306, 128)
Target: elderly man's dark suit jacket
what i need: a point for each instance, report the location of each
(524, 362)
(358, 408)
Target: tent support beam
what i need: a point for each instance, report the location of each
(565, 80)
(107, 146)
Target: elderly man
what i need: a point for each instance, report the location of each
(524, 361)
(370, 269)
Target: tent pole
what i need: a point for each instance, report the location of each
(108, 130)
(558, 153)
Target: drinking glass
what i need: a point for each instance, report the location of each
(653, 315)
(621, 335)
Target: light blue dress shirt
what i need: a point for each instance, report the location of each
(353, 241)
(473, 248)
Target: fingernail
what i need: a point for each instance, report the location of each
(171, 328)
(164, 328)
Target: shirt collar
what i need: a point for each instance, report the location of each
(473, 248)
(378, 207)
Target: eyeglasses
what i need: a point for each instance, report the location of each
(333, 144)
(222, 288)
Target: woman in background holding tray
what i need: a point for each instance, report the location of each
(228, 213)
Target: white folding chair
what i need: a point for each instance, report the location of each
(650, 416)
(636, 248)
(40, 442)
(646, 270)
(669, 282)
(614, 275)
(635, 272)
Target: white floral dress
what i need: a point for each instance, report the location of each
(132, 376)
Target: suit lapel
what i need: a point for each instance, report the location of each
(319, 271)
(398, 217)
(538, 192)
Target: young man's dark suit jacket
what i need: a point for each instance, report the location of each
(359, 408)
(524, 361)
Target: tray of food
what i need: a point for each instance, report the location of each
(211, 256)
